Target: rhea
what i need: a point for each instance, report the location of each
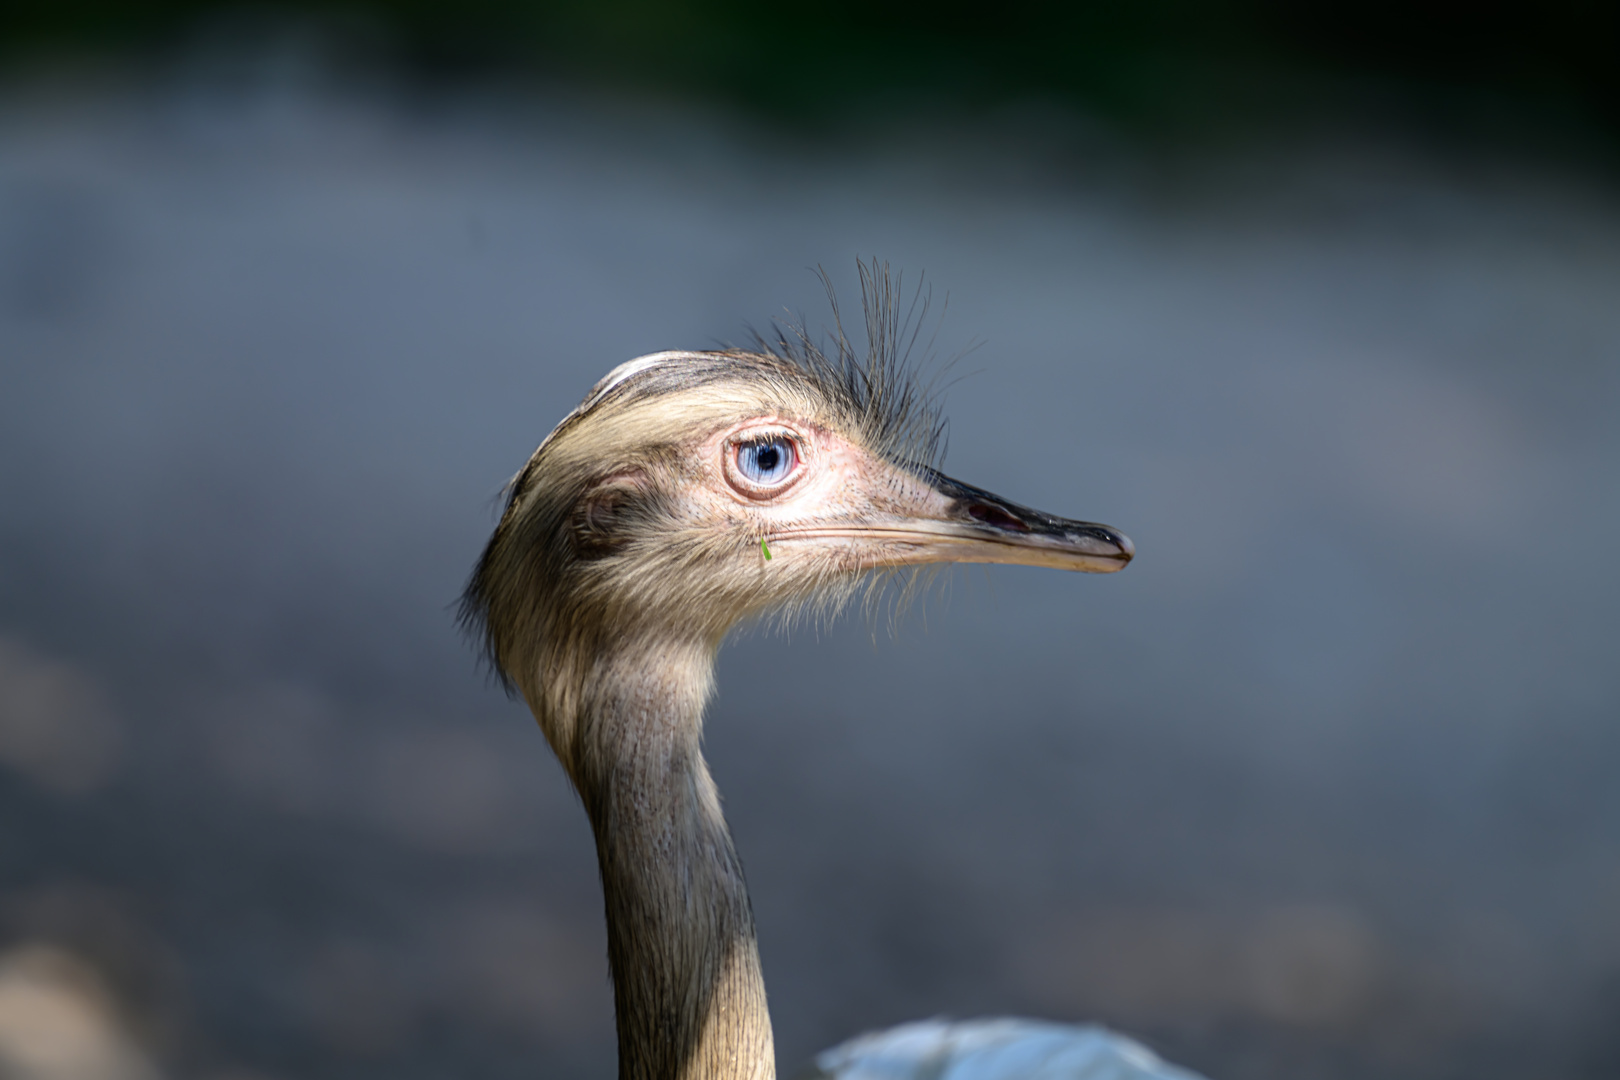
(688, 492)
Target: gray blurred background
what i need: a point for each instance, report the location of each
(1324, 314)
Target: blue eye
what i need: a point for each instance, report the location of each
(768, 461)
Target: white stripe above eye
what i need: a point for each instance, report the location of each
(629, 370)
(605, 386)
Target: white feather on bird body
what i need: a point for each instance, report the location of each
(1004, 1048)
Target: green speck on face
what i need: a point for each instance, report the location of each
(765, 549)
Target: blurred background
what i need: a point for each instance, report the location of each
(1319, 304)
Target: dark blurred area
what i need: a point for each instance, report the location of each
(1159, 64)
(1316, 303)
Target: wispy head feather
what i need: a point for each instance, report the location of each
(883, 385)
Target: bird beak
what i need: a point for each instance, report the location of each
(979, 527)
(949, 521)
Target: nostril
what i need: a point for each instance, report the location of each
(990, 514)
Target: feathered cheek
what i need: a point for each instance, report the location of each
(848, 555)
(608, 515)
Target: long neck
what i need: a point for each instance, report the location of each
(688, 994)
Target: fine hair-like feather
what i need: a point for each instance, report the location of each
(885, 383)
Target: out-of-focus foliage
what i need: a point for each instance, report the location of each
(1155, 63)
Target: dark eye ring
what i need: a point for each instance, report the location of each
(767, 461)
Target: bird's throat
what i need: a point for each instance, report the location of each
(689, 998)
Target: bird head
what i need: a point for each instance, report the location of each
(691, 490)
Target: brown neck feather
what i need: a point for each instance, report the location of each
(688, 994)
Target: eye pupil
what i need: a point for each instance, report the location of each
(766, 458)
